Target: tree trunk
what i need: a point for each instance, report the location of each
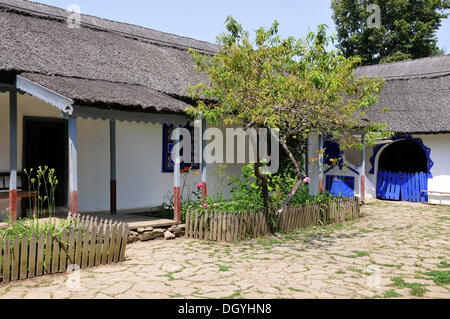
(264, 188)
(297, 184)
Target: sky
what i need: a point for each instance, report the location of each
(204, 19)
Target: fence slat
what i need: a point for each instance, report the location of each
(55, 255)
(188, 221)
(237, 215)
(92, 245)
(24, 258)
(99, 246)
(63, 251)
(40, 254)
(124, 242)
(78, 245)
(195, 230)
(7, 260)
(85, 245)
(106, 240)
(1, 256)
(71, 249)
(112, 244)
(15, 258)
(32, 256)
(118, 242)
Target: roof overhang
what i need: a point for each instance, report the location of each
(32, 86)
(89, 112)
(51, 97)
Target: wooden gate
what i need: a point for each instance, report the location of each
(402, 186)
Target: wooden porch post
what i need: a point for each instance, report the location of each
(204, 187)
(177, 186)
(363, 172)
(321, 181)
(73, 167)
(112, 154)
(13, 156)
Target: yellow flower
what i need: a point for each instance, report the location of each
(313, 159)
(332, 160)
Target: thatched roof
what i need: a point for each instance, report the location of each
(117, 65)
(416, 92)
(103, 63)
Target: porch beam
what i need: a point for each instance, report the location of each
(177, 184)
(204, 165)
(113, 179)
(13, 156)
(363, 172)
(73, 167)
(321, 181)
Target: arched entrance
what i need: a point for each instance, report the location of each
(402, 171)
(403, 156)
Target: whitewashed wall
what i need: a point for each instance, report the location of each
(140, 180)
(440, 155)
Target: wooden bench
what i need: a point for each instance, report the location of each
(437, 192)
(4, 190)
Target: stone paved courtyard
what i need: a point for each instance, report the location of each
(397, 250)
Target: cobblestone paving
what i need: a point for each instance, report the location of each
(397, 250)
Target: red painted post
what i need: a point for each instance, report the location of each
(112, 161)
(73, 167)
(176, 177)
(363, 171)
(363, 187)
(12, 205)
(321, 182)
(113, 197)
(321, 186)
(177, 203)
(204, 192)
(13, 156)
(204, 187)
(73, 203)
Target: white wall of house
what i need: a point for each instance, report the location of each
(140, 180)
(440, 155)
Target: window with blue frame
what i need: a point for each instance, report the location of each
(340, 185)
(168, 144)
(332, 152)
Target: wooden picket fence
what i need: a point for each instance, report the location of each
(232, 226)
(226, 226)
(89, 242)
(335, 211)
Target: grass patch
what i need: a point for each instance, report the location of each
(415, 289)
(443, 264)
(224, 268)
(391, 294)
(440, 277)
(358, 253)
(359, 271)
(234, 295)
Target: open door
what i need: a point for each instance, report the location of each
(45, 143)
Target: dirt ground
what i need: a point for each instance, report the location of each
(396, 250)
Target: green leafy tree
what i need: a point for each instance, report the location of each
(407, 28)
(295, 85)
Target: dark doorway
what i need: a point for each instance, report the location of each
(403, 156)
(45, 144)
